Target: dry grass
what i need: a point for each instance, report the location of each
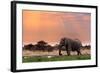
(54, 52)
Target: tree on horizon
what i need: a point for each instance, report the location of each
(41, 45)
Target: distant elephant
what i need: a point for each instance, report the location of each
(70, 45)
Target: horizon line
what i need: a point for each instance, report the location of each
(54, 43)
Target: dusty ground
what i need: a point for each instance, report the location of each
(53, 53)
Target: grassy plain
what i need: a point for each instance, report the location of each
(55, 58)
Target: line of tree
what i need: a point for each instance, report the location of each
(87, 46)
(44, 46)
(41, 46)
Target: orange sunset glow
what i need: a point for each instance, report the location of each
(52, 26)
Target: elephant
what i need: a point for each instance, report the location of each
(70, 45)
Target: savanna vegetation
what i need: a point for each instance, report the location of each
(43, 52)
(55, 58)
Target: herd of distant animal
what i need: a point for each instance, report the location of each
(69, 44)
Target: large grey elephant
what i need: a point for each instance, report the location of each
(70, 45)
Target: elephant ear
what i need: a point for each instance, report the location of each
(62, 41)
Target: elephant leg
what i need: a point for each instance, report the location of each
(68, 52)
(60, 52)
(68, 49)
(78, 52)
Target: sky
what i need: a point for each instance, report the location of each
(52, 26)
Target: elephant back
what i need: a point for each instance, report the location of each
(78, 42)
